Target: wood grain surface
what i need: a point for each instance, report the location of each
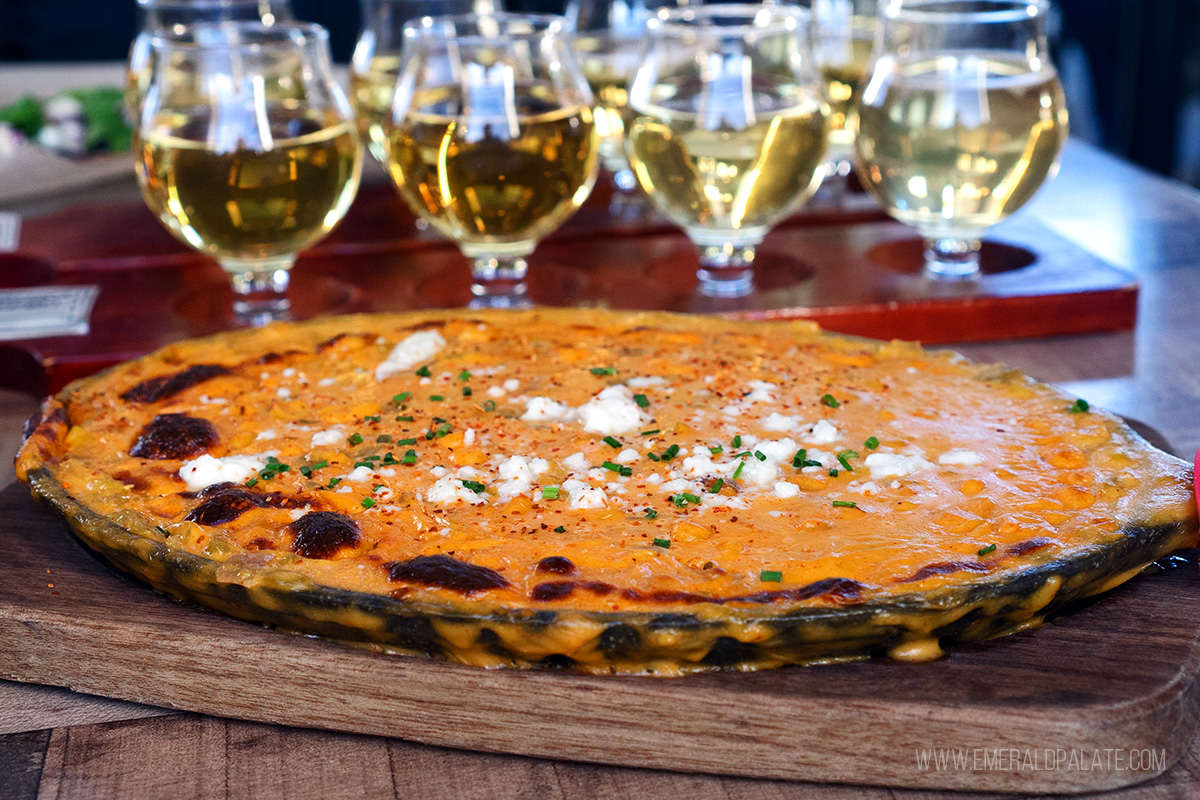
(1119, 674)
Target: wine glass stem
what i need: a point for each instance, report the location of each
(726, 270)
(952, 258)
(260, 290)
(499, 282)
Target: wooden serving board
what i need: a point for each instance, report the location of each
(1108, 695)
(849, 268)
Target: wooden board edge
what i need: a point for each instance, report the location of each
(566, 718)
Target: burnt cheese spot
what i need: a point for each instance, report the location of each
(833, 588)
(559, 565)
(225, 502)
(1029, 545)
(260, 544)
(321, 534)
(164, 386)
(174, 436)
(552, 590)
(945, 568)
(50, 420)
(446, 572)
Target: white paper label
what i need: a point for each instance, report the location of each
(46, 311)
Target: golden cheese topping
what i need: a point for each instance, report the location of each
(607, 463)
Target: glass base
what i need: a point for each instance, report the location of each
(952, 259)
(499, 283)
(726, 270)
(259, 290)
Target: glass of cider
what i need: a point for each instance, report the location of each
(247, 151)
(492, 139)
(725, 129)
(376, 61)
(960, 122)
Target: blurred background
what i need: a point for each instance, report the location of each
(1131, 68)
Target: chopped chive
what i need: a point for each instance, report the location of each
(306, 472)
(653, 457)
(663, 543)
(377, 487)
(641, 400)
(625, 472)
(845, 504)
(383, 438)
(355, 438)
(464, 375)
(560, 529)
(367, 502)
(371, 418)
(437, 398)
(489, 405)
(991, 548)
(405, 441)
(404, 418)
(252, 483)
(333, 482)
(611, 466)
(759, 455)
(467, 391)
(474, 486)
(549, 492)
(650, 432)
(403, 397)
(367, 464)
(800, 457)
(716, 450)
(1079, 407)
(611, 442)
(410, 458)
(282, 467)
(162, 530)
(738, 472)
(871, 443)
(716, 487)
(844, 459)
(388, 458)
(830, 400)
(737, 441)
(424, 371)
(444, 430)
(670, 452)
(770, 576)
(651, 513)
(320, 465)
(603, 371)
(683, 498)
(833, 473)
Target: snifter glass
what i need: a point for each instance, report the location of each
(376, 61)
(246, 150)
(844, 37)
(173, 16)
(726, 128)
(607, 37)
(492, 139)
(961, 121)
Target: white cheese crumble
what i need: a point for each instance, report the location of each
(823, 432)
(205, 471)
(646, 382)
(517, 474)
(495, 391)
(894, 465)
(327, 382)
(283, 393)
(582, 496)
(469, 437)
(627, 456)
(543, 409)
(269, 433)
(576, 462)
(511, 385)
(448, 490)
(359, 474)
(328, 437)
(409, 352)
(778, 422)
(965, 458)
(218, 401)
(785, 490)
(612, 411)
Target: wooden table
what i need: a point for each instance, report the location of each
(54, 743)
